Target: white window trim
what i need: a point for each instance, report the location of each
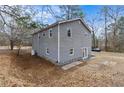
(87, 52)
(70, 32)
(46, 51)
(73, 52)
(51, 32)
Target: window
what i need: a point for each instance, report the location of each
(71, 52)
(50, 33)
(47, 51)
(69, 33)
(43, 34)
(86, 34)
(84, 51)
(38, 35)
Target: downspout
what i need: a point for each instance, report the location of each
(58, 43)
(38, 43)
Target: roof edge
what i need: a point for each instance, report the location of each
(54, 24)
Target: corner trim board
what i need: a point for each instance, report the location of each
(58, 43)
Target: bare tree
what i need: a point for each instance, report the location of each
(7, 14)
(105, 11)
(92, 22)
(17, 23)
(71, 11)
(114, 14)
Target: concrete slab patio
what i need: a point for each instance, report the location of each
(69, 66)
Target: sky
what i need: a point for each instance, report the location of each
(90, 11)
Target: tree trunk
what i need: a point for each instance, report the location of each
(18, 52)
(114, 37)
(94, 43)
(11, 44)
(106, 39)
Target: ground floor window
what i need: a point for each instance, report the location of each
(71, 51)
(43, 34)
(47, 51)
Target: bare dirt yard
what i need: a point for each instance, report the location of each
(106, 69)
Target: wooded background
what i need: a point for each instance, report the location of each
(17, 23)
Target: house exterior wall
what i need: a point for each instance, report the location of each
(40, 44)
(81, 37)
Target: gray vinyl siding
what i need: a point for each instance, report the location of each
(80, 38)
(77, 41)
(44, 42)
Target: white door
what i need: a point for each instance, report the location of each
(84, 52)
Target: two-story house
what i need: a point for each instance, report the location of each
(63, 42)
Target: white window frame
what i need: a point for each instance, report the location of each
(47, 51)
(50, 31)
(70, 32)
(86, 56)
(72, 53)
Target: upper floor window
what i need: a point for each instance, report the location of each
(50, 33)
(69, 32)
(86, 34)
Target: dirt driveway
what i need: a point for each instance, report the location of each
(106, 69)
